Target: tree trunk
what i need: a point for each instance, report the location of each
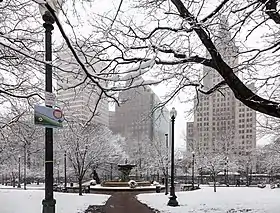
(28, 159)
(80, 186)
(96, 177)
(214, 180)
(14, 180)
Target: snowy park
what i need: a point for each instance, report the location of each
(30, 201)
(225, 200)
(104, 105)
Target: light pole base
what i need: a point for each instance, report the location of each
(49, 206)
(19, 186)
(172, 201)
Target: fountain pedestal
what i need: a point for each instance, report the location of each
(125, 170)
(123, 185)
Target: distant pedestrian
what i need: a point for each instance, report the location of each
(237, 183)
(96, 177)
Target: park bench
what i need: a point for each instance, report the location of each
(186, 187)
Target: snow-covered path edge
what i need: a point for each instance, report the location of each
(30, 201)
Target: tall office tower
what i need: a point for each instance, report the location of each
(190, 137)
(134, 117)
(112, 120)
(78, 101)
(220, 120)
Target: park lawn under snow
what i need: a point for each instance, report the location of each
(225, 200)
(28, 186)
(30, 201)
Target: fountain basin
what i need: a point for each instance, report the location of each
(123, 184)
(125, 170)
(99, 188)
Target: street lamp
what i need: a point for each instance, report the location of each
(227, 180)
(65, 177)
(193, 155)
(201, 179)
(57, 173)
(49, 201)
(19, 171)
(111, 171)
(247, 172)
(24, 168)
(250, 179)
(172, 199)
(166, 168)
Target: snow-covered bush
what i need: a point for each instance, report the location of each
(155, 183)
(132, 184)
(92, 182)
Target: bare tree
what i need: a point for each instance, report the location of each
(168, 38)
(270, 155)
(213, 163)
(87, 146)
(169, 35)
(174, 36)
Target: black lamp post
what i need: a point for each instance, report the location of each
(166, 168)
(49, 201)
(201, 179)
(172, 199)
(58, 173)
(247, 173)
(24, 168)
(19, 171)
(250, 178)
(65, 175)
(111, 171)
(193, 155)
(227, 180)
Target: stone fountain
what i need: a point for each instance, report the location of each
(125, 170)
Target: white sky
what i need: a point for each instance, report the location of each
(181, 119)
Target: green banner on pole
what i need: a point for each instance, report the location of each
(48, 117)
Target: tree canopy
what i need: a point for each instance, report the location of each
(167, 41)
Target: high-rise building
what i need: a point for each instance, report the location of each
(190, 137)
(220, 120)
(137, 117)
(112, 121)
(78, 101)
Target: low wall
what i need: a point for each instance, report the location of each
(123, 184)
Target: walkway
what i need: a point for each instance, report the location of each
(121, 202)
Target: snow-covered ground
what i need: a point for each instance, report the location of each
(225, 200)
(40, 186)
(30, 201)
(28, 186)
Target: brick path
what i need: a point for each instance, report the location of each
(122, 202)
